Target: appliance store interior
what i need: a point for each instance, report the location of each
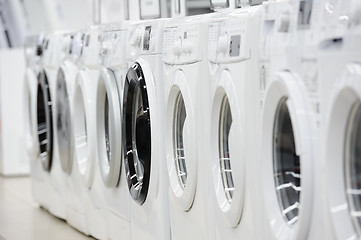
(180, 119)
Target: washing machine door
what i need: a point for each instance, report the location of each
(63, 123)
(343, 154)
(137, 133)
(109, 130)
(287, 157)
(44, 121)
(181, 142)
(228, 147)
(85, 125)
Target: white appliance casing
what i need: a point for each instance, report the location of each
(281, 78)
(54, 184)
(37, 173)
(110, 85)
(75, 191)
(340, 77)
(233, 68)
(184, 66)
(150, 220)
(84, 125)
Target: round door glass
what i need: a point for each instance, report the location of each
(63, 120)
(353, 166)
(137, 130)
(286, 164)
(44, 121)
(109, 130)
(137, 142)
(179, 117)
(225, 123)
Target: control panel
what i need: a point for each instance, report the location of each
(277, 28)
(47, 46)
(112, 47)
(144, 39)
(67, 44)
(40, 45)
(77, 44)
(183, 44)
(52, 53)
(91, 49)
(229, 40)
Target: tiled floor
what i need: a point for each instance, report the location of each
(21, 218)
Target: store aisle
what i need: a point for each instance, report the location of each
(21, 218)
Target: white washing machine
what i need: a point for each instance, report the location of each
(340, 79)
(30, 88)
(109, 97)
(143, 121)
(84, 125)
(287, 122)
(33, 51)
(48, 160)
(233, 65)
(75, 191)
(184, 67)
(302, 55)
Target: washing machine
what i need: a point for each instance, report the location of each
(30, 84)
(184, 67)
(233, 63)
(84, 125)
(340, 78)
(109, 96)
(48, 160)
(302, 55)
(75, 190)
(287, 121)
(142, 141)
(34, 52)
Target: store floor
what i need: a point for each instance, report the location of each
(21, 218)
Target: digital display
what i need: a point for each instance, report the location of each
(146, 42)
(234, 46)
